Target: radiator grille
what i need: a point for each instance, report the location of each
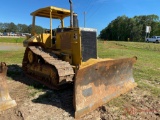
(89, 44)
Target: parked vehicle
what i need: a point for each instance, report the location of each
(154, 39)
(1, 34)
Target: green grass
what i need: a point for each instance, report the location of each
(34, 91)
(147, 68)
(11, 40)
(12, 57)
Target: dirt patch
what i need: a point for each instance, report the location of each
(11, 46)
(36, 102)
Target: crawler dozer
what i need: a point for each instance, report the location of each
(68, 55)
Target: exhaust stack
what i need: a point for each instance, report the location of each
(75, 21)
(71, 16)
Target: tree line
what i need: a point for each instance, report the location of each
(19, 28)
(124, 28)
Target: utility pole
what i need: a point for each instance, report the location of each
(84, 19)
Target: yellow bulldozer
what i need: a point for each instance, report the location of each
(68, 55)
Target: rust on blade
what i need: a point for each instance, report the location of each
(100, 82)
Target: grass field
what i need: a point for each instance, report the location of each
(147, 68)
(146, 71)
(11, 57)
(11, 39)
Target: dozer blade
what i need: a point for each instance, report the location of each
(5, 100)
(98, 81)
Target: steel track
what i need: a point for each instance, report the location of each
(63, 71)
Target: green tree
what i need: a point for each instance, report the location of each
(12, 27)
(38, 29)
(123, 28)
(22, 28)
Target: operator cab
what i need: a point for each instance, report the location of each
(52, 12)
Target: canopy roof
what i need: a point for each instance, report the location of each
(57, 13)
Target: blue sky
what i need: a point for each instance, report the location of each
(99, 13)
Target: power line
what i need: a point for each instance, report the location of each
(90, 5)
(93, 13)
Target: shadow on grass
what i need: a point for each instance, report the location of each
(60, 98)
